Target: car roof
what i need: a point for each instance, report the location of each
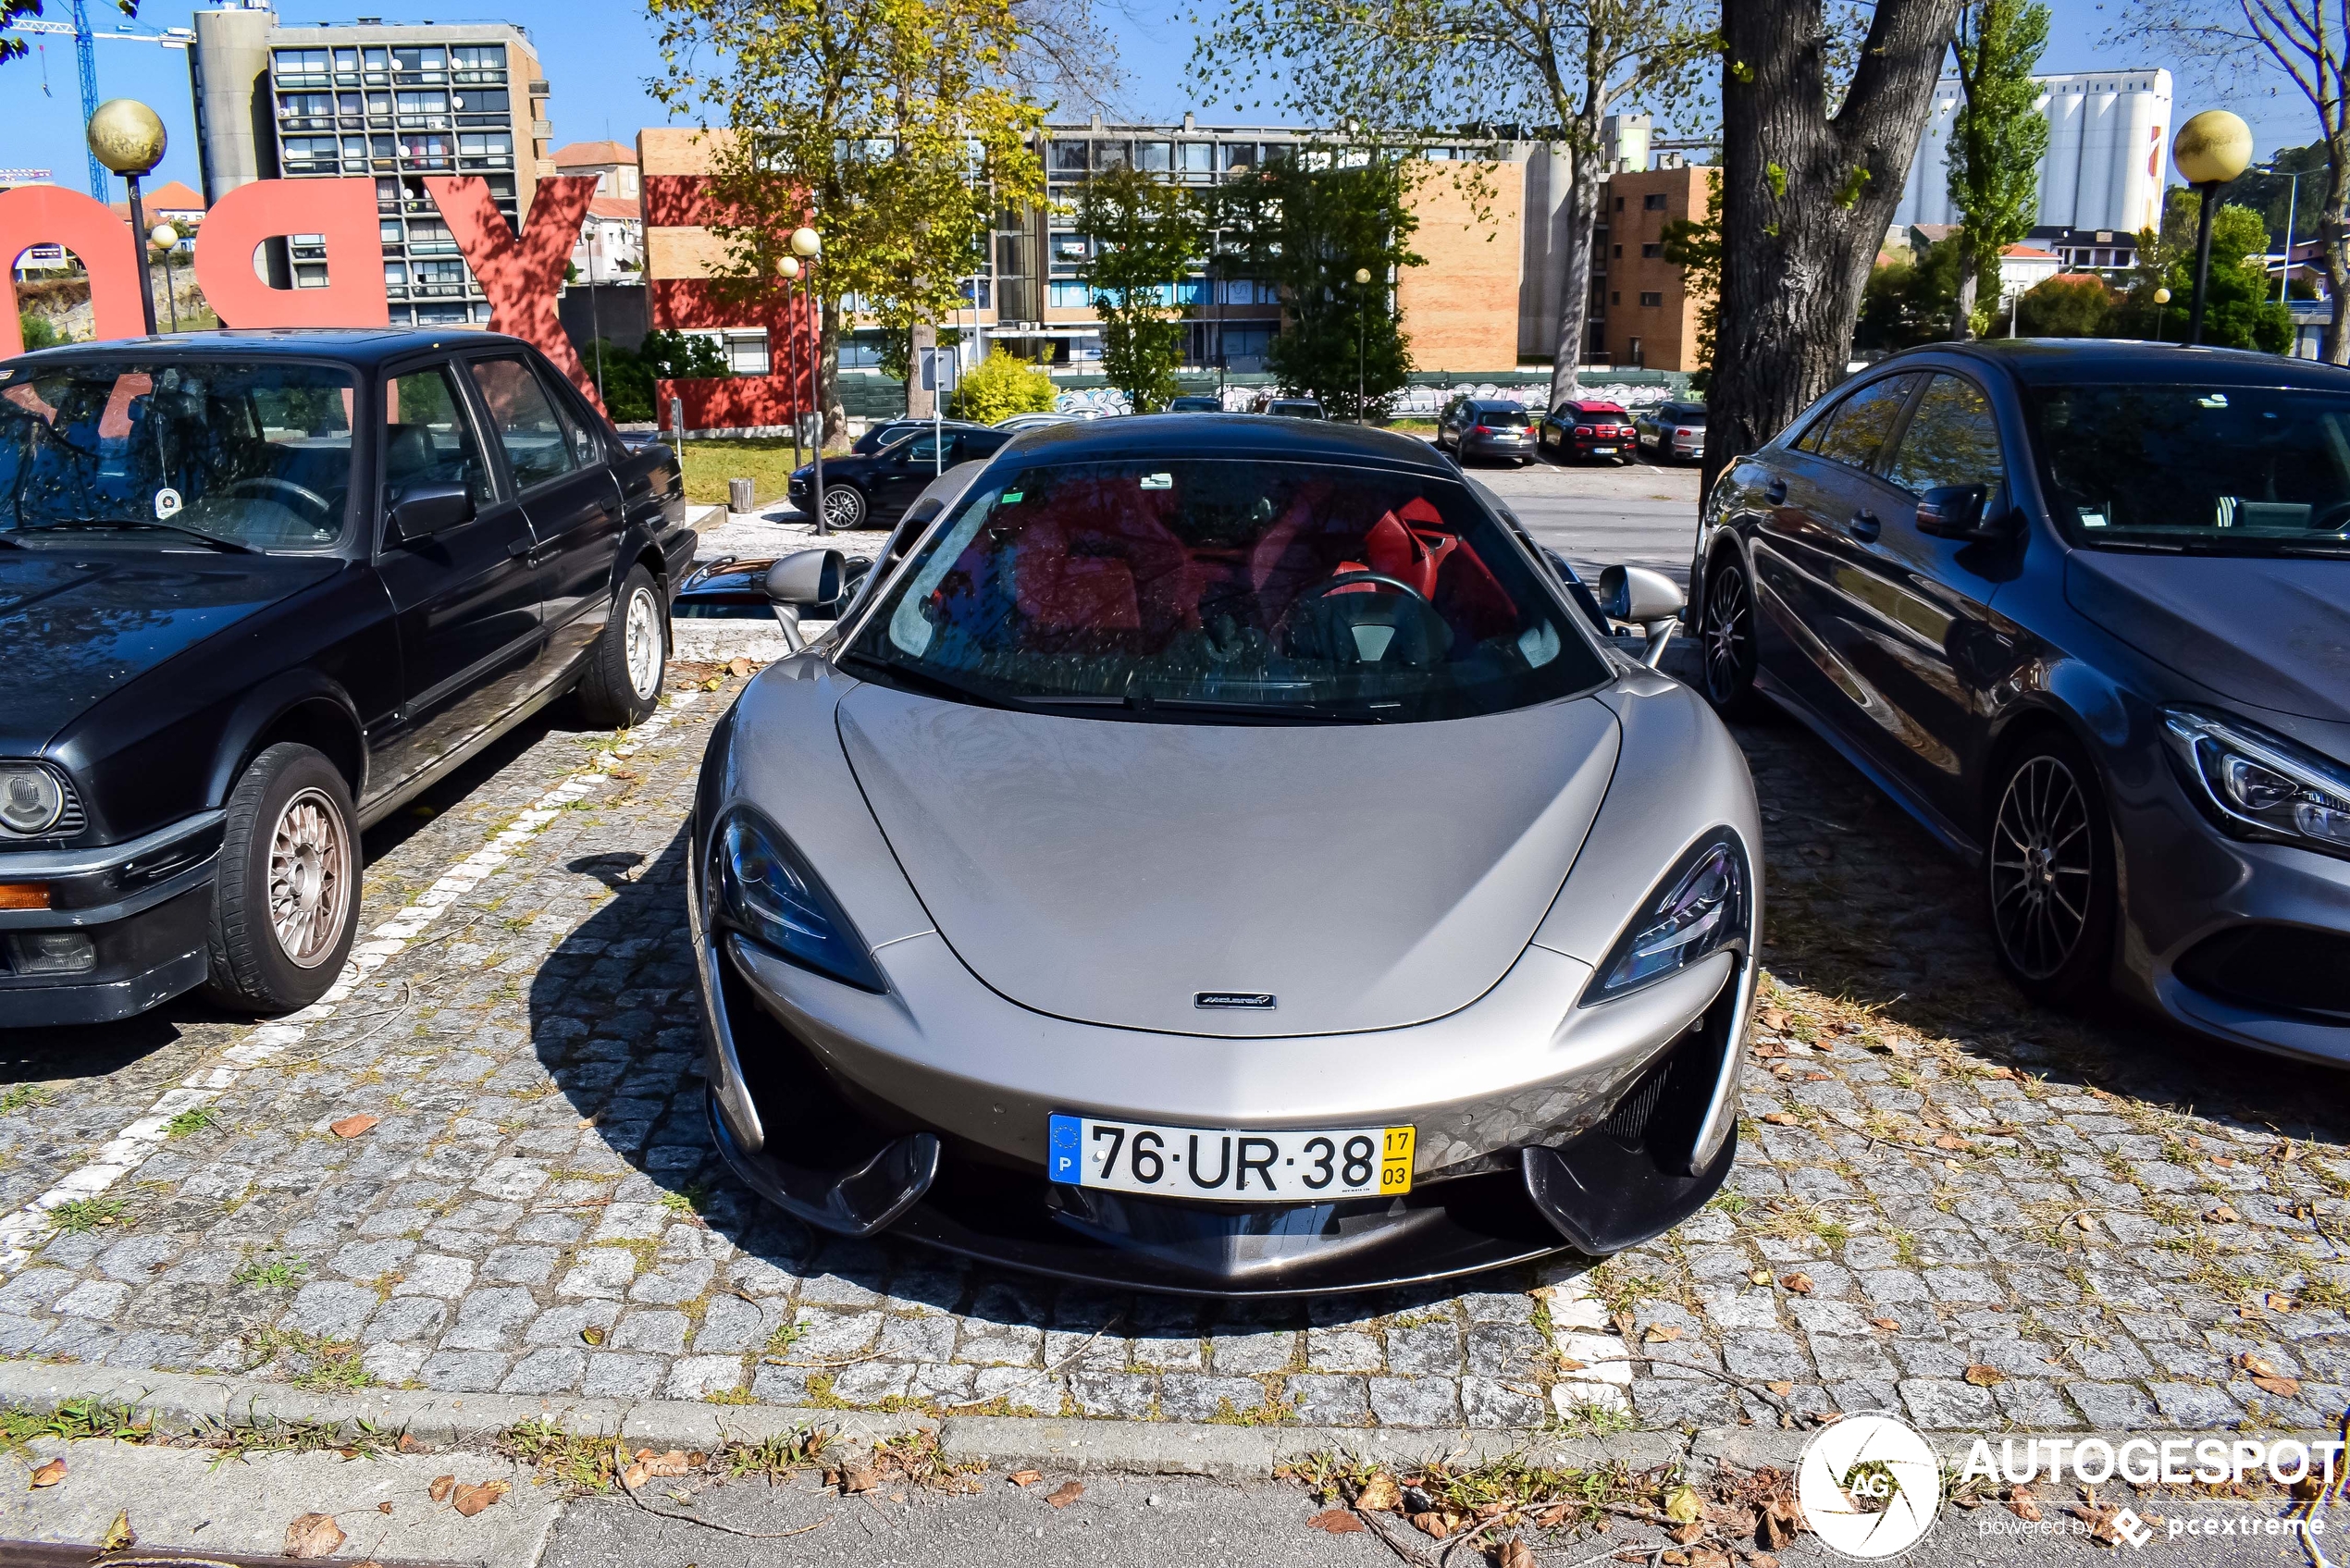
(360, 346)
(1592, 406)
(1223, 435)
(2054, 361)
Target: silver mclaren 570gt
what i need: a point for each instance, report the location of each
(1224, 855)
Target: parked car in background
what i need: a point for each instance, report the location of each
(1587, 432)
(944, 868)
(2082, 609)
(1203, 403)
(258, 590)
(1289, 408)
(1015, 423)
(1672, 432)
(891, 431)
(862, 492)
(1491, 428)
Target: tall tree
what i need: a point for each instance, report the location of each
(1308, 225)
(2309, 41)
(1809, 186)
(1997, 140)
(893, 127)
(1147, 236)
(1425, 70)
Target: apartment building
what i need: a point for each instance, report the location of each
(1646, 317)
(611, 237)
(393, 101)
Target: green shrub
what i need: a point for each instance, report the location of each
(40, 332)
(2069, 305)
(1001, 385)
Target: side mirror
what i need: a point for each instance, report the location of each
(1954, 512)
(422, 511)
(1638, 595)
(806, 578)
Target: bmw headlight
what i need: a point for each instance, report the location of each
(30, 797)
(762, 886)
(2261, 785)
(1699, 909)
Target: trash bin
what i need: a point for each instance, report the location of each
(738, 496)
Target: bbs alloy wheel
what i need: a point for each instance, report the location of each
(1726, 635)
(2048, 873)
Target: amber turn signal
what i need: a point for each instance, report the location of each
(24, 894)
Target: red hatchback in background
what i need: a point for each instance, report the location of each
(1588, 432)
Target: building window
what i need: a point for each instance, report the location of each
(1062, 294)
(1239, 157)
(1615, 298)
(1633, 357)
(746, 353)
(1651, 297)
(1650, 252)
(1619, 250)
(1155, 157)
(1619, 204)
(1108, 155)
(1068, 157)
(300, 66)
(1653, 202)
(1198, 157)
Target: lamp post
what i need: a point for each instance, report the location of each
(788, 269)
(164, 237)
(1362, 331)
(2162, 298)
(127, 137)
(808, 246)
(2210, 150)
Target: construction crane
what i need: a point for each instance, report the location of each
(86, 56)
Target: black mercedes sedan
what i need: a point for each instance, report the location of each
(256, 590)
(871, 490)
(2084, 609)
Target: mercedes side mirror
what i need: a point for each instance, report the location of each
(805, 579)
(422, 511)
(1648, 600)
(1955, 511)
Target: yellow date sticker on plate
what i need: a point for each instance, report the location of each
(1395, 1161)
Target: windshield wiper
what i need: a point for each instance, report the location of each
(109, 523)
(1144, 703)
(936, 685)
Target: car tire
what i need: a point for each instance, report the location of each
(620, 679)
(845, 508)
(2049, 881)
(1726, 638)
(285, 894)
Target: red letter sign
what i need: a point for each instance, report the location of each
(343, 211)
(45, 214)
(522, 278)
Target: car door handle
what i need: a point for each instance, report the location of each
(1775, 492)
(523, 549)
(1864, 527)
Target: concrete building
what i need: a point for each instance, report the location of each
(611, 237)
(1650, 318)
(2104, 165)
(394, 101)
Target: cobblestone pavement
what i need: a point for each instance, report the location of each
(1947, 1202)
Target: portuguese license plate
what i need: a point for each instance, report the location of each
(1603, 451)
(1191, 1162)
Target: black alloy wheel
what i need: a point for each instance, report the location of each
(2049, 874)
(1725, 637)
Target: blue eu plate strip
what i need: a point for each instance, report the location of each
(1062, 1162)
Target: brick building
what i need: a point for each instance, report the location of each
(1647, 318)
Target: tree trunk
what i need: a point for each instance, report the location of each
(1586, 181)
(1962, 315)
(836, 421)
(2334, 228)
(1799, 229)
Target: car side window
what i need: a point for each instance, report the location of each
(1854, 431)
(539, 439)
(1953, 438)
(429, 437)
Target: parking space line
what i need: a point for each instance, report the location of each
(24, 1230)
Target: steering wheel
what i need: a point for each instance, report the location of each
(1440, 631)
(326, 509)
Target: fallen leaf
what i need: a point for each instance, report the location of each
(1552, 1516)
(2259, 1365)
(2023, 1505)
(1950, 1142)
(859, 1480)
(738, 666)
(2222, 1159)
(1778, 1118)
(1674, 1557)
(1379, 1495)
(635, 1475)
(1568, 1364)
(1984, 1376)
(1682, 1504)
(1433, 1524)
(119, 1534)
(1782, 1389)
(713, 684)
(50, 1474)
(438, 1491)
(1662, 1333)
(1819, 1078)
(1688, 1534)
(471, 1500)
(1760, 1277)
(1761, 1559)
(2277, 1302)
(1066, 1493)
(383, 1508)
(1778, 1525)
(593, 1335)
(1336, 1521)
(674, 1462)
(1798, 1282)
(1703, 1557)
(2283, 1387)
(313, 1534)
(1025, 1477)
(352, 1126)
(1890, 1325)
(1515, 1553)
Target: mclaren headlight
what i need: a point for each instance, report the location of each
(1699, 908)
(761, 886)
(2256, 784)
(31, 801)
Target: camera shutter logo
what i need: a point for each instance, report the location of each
(1870, 1486)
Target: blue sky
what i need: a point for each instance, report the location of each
(597, 53)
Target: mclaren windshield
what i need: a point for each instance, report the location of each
(192, 454)
(1195, 589)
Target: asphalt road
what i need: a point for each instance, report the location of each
(1642, 516)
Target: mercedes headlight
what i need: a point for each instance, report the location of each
(761, 886)
(30, 797)
(2261, 785)
(1699, 908)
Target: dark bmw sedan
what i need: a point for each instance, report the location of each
(2084, 609)
(877, 489)
(258, 590)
